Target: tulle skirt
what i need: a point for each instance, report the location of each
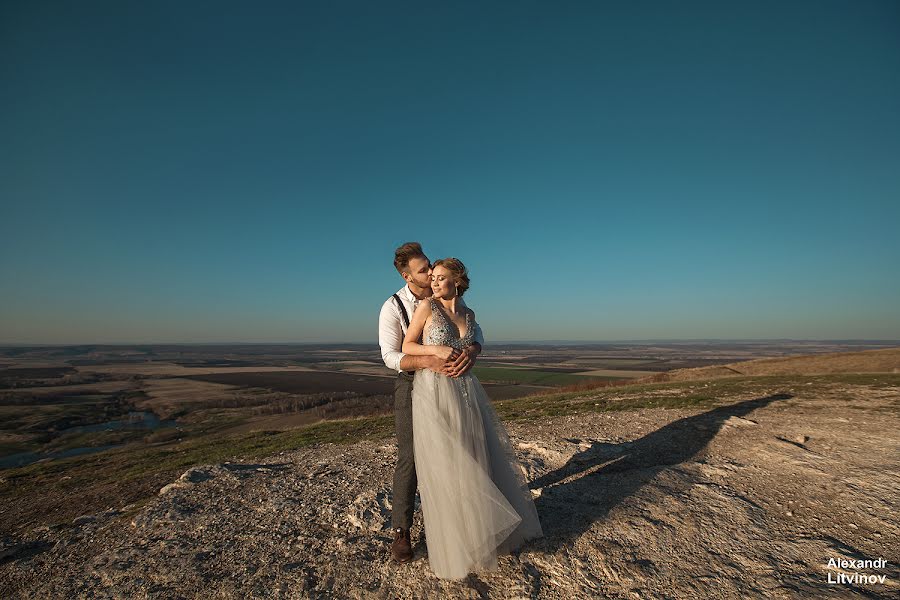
(475, 501)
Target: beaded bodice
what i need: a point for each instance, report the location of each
(443, 332)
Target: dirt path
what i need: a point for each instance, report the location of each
(750, 499)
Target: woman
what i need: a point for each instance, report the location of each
(474, 498)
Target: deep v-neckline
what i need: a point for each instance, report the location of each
(446, 317)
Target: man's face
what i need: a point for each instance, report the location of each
(419, 272)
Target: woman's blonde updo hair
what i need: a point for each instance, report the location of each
(457, 270)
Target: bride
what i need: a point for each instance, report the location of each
(475, 501)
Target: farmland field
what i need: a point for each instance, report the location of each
(304, 382)
(318, 382)
(540, 377)
(94, 397)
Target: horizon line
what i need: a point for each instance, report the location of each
(494, 343)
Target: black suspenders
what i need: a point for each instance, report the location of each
(402, 310)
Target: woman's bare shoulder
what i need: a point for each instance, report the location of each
(424, 306)
(423, 310)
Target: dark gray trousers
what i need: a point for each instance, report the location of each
(405, 474)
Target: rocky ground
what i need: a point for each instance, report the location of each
(750, 499)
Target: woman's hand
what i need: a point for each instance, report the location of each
(462, 364)
(446, 352)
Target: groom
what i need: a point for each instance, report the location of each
(415, 268)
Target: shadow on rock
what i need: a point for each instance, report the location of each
(569, 509)
(10, 550)
(239, 467)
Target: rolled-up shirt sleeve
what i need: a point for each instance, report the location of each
(390, 336)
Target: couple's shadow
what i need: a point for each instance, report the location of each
(569, 509)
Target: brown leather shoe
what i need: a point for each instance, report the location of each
(401, 549)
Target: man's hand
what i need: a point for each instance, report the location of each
(463, 363)
(435, 363)
(446, 353)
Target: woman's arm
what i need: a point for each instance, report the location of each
(411, 343)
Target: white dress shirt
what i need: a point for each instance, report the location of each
(392, 328)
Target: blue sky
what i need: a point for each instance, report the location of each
(201, 172)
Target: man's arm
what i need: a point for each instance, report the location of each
(390, 338)
(479, 337)
(414, 363)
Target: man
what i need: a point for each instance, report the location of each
(415, 268)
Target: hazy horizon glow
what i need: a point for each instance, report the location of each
(632, 171)
(493, 344)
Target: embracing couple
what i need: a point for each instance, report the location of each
(475, 502)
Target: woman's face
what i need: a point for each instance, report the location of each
(442, 283)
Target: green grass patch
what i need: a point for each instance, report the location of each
(125, 464)
(92, 439)
(511, 375)
(259, 444)
(688, 394)
(7, 448)
(532, 407)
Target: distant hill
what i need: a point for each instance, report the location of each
(885, 360)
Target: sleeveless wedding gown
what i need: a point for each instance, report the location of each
(475, 501)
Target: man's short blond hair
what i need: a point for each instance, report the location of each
(406, 253)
